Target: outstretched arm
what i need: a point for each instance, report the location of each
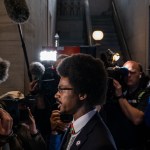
(132, 113)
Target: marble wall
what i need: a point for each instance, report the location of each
(35, 33)
(134, 16)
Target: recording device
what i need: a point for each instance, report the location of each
(17, 10)
(4, 67)
(47, 78)
(119, 74)
(49, 81)
(17, 108)
(66, 118)
(37, 69)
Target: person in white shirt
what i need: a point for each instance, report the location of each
(82, 86)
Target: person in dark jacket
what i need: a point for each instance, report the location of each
(82, 86)
(124, 115)
(24, 136)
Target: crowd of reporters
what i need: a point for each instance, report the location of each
(127, 116)
(127, 113)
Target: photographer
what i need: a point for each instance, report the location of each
(44, 92)
(125, 118)
(21, 136)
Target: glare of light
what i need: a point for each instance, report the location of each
(48, 55)
(116, 57)
(97, 35)
(56, 40)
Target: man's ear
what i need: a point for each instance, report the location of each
(82, 96)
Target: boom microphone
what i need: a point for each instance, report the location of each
(17, 10)
(37, 70)
(4, 67)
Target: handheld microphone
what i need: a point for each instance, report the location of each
(17, 10)
(37, 70)
(4, 67)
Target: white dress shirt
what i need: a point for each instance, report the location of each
(79, 124)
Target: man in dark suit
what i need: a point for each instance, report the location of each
(82, 86)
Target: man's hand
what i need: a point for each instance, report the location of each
(118, 88)
(30, 124)
(6, 123)
(56, 123)
(33, 86)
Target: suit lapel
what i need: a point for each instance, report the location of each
(83, 135)
(64, 138)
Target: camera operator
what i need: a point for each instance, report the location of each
(125, 118)
(46, 115)
(21, 136)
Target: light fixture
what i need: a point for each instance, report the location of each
(97, 35)
(48, 54)
(114, 56)
(56, 40)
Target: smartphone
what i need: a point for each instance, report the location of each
(66, 118)
(55, 106)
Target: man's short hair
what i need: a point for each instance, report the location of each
(140, 68)
(59, 59)
(87, 75)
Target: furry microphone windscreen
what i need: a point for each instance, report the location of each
(37, 69)
(17, 10)
(4, 68)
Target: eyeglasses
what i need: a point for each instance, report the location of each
(60, 90)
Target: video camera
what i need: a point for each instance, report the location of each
(119, 74)
(46, 76)
(66, 118)
(17, 108)
(49, 82)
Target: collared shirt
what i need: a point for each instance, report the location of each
(79, 124)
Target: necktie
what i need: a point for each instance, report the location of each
(72, 131)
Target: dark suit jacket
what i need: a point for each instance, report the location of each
(94, 136)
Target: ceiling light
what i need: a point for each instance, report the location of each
(97, 35)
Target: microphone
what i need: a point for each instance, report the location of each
(37, 70)
(4, 67)
(17, 10)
